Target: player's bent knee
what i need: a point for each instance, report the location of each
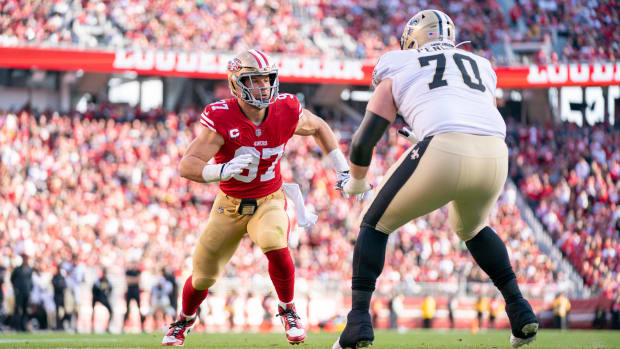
(470, 233)
(202, 283)
(378, 227)
(273, 247)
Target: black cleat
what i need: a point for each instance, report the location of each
(523, 323)
(357, 333)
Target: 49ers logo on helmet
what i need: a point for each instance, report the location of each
(234, 65)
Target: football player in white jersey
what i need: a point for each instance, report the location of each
(447, 97)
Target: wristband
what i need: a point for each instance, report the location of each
(338, 161)
(212, 172)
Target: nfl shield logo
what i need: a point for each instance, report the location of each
(258, 132)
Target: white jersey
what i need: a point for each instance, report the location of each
(439, 88)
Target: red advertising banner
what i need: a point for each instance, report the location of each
(207, 65)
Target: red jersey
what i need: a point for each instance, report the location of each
(265, 141)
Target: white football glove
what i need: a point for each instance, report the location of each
(235, 166)
(351, 186)
(408, 133)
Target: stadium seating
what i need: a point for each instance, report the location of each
(362, 29)
(571, 176)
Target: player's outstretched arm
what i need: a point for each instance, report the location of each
(312, 125)
(380, 113)
(194, 164)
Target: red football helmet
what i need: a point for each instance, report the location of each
(252, 63)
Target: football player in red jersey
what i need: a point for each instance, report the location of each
(246, 136)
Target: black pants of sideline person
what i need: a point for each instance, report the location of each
(20, 313)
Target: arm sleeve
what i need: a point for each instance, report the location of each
(366, 137)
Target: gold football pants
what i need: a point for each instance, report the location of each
(268, 227)
(466, 171)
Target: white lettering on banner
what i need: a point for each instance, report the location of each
(322, 69)
(287, 67)
(122, 60)
(187, 62)
(594, 105)
(602, 72)
(309, 67)
(612, 94)
(571, 95)
(557, 74)
(144, 61)
(165, 60)
(354, 70)
(208, 63)
(579, 72)
(536, 76)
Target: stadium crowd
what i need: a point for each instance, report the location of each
(360, 29)
(97, 192)
(571, 176)
(589, 28)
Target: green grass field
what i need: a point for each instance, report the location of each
(384, 339)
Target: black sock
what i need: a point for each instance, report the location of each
(491, 255)
(368, 260)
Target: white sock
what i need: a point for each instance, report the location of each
(188, 317)
(283, 305)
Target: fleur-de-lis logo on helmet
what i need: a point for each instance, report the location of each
(428, 26)
(240, 71)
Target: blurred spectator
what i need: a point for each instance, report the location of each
(21, 279)
(396, 309)
(453, 303)
(614, 310)
(496, 307)
(482, 307)
(102, 290)
(231, 299)
(2, 276)
(168, 274)
(375, 311)
(132, 277)
(600, 318)
(41, 299)
(160, 301)
(269, 304)
(428, 311)
(59, 284)
(561, 307)
(75, 277)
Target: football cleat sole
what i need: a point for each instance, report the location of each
(360, 344)
(172, 344)
(527, 330)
